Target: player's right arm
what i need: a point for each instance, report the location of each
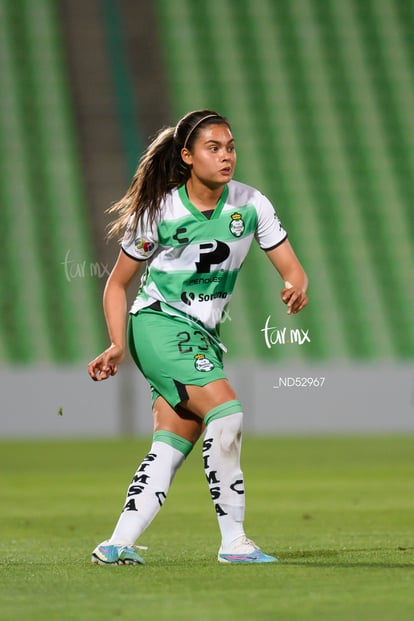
(115, 310)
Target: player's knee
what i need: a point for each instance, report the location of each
(231, 430)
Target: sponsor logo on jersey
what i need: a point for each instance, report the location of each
(143, 245)
(202, 363)
(236, 225)
(188, 297)
(200, 280)
(207, 297)
(211, 253)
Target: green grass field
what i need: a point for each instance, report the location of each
(337, 511)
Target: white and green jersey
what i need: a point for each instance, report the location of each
(192, 260)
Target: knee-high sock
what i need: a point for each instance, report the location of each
(148, 488)
(221, 454)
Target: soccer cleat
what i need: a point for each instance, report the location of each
(244, 550)
(109, 554)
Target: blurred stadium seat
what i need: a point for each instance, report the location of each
(320, 95)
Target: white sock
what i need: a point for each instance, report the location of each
(147, 491)
(221, 454)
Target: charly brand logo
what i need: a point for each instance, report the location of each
(180, 235)
(284, 336)
(236, 225)
(83, 269)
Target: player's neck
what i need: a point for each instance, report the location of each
(203, 197)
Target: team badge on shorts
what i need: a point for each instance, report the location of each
(202, 363)
(236, 224)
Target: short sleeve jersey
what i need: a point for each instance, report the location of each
(192, 260)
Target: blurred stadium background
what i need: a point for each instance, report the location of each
(320, 94)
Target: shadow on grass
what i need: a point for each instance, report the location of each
(337, 558)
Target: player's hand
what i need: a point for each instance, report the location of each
(294, 297)
(107, 363)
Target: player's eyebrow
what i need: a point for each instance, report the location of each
(211, 141)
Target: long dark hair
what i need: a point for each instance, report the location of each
(160, 169)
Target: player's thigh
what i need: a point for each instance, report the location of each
(186, 419)
(202, 399)
(179, 421)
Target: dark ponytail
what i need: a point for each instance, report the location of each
(160, 170)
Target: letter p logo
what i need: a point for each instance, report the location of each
(211, 253)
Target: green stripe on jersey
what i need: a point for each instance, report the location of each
(172, 284)
(231, 225)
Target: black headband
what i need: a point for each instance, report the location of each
(208, 116)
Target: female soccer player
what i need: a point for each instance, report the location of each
(191, 225)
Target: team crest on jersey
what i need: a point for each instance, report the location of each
(236, 224)
(202, 363)
(143, 245)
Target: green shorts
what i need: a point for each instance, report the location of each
(172, 352)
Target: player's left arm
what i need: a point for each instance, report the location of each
(290, 269)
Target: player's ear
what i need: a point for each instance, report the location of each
(186, 156)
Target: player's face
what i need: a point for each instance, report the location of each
(213, 156)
